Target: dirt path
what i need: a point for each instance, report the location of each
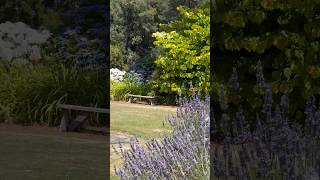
(115, 137)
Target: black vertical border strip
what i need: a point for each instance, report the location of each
(211, 150)
(107, 58)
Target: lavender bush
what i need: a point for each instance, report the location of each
(182, 155)
(272, 147)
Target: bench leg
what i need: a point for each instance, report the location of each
(152, 103)
(130, 99)
(78, 122)
(64, 121)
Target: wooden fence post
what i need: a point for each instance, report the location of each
(64, 121)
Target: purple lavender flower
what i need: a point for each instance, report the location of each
(234, 80)
(223, 100)
(275, 148)
(182, 155)
(285, 101)
(259, 75)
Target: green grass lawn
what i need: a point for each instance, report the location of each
(141, 121)
(44, 154)
(144, 122)
(47, 157)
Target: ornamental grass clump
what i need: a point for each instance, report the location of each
(29, 94)
(271, 147)
(184, 154)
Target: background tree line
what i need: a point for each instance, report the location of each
(132, 25)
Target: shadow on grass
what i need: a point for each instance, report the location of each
(47, 157)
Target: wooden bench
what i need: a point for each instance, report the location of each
(68, 123)
(132, 98)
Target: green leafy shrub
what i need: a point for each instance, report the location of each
(283, 35)
(186, 52)
(166, 99)
(119, 90)
(117, 56)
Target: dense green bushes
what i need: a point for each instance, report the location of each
(29, 94)
(283, 35)
(119, 90)
(35, 13)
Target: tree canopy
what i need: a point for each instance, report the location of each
(284, 35)
(186, 52)
(132, 25)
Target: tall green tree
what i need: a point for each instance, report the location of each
(35, 13)
(167, 9)
(284, 35)
(132, 24)
(186, 52)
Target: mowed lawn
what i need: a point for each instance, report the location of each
(28, 156)
(143, 121)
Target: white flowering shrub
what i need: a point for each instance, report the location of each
(20, 42)
(116, 75)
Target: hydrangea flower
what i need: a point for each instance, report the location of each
(117, 75)
(18, 41)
